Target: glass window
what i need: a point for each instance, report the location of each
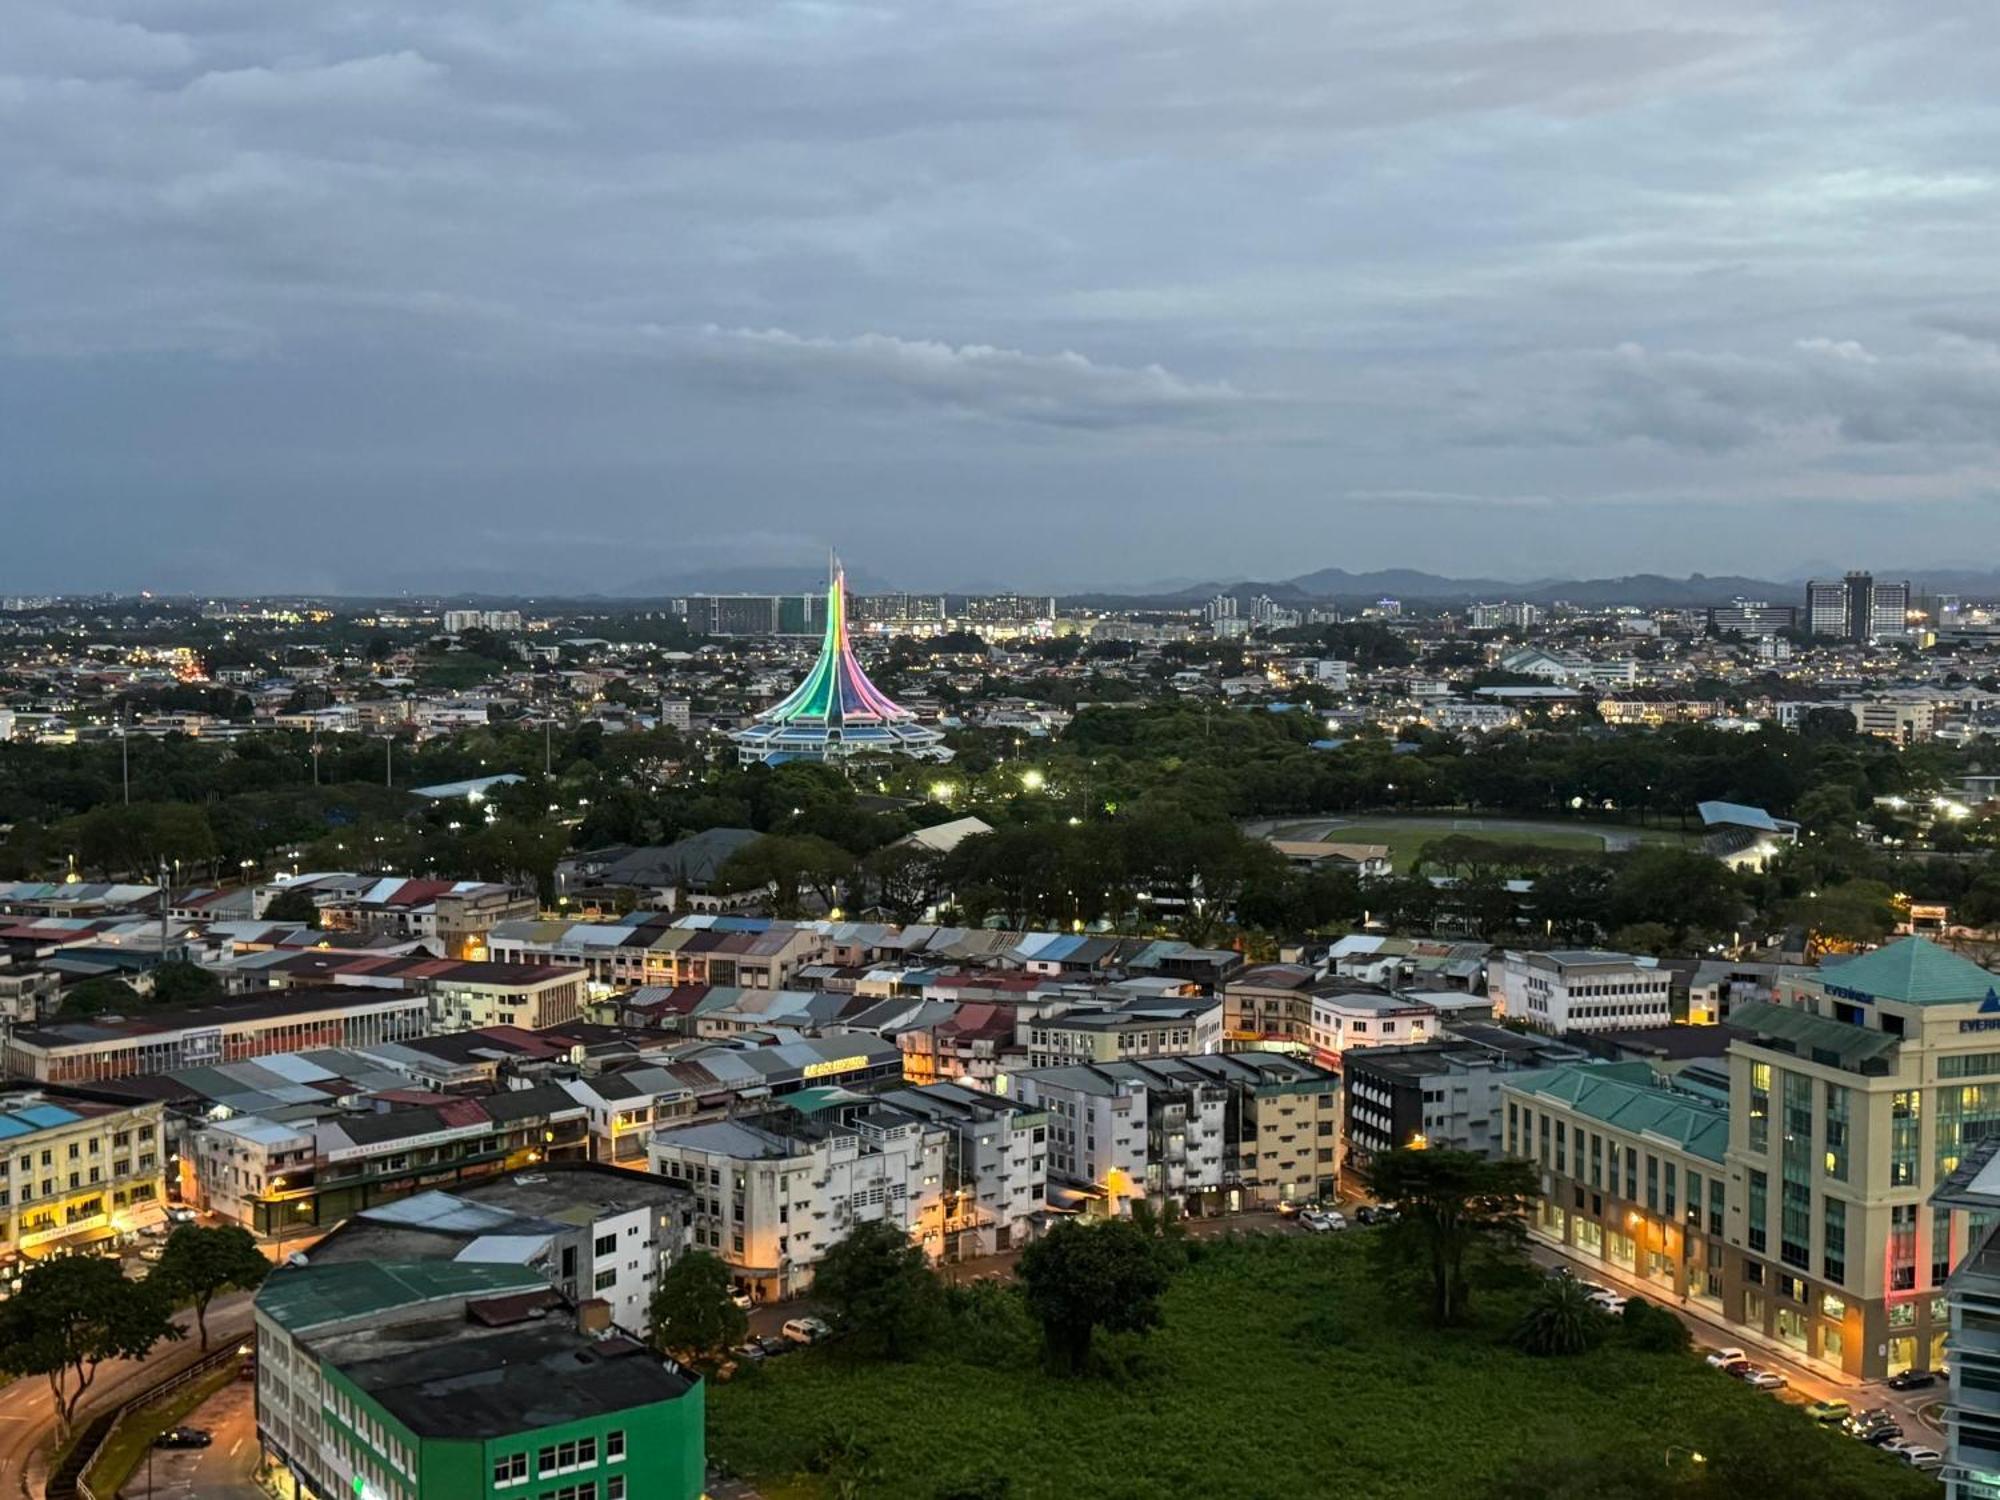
(1940, 1245)
(1757, 1232)
(1760, 1106)
(1833, 1257)
(1837, 1132)
(1906, 1111)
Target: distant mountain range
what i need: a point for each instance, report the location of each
(1338, 586)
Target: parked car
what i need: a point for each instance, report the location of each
(1287, 1208)
(741, 1299)
(1829, 1411)
(182, 1215)
(1322, 1221)
(805, 1330)
(1913, 1380)
(1873, 1416)
(183, 1437)
(1922, 1458)
(152, 1252)
(1378, 1213)
(1611, 1302)
(1760, 1378)
(1877, 1434)
(752, 1351)
(1726, 1356)
(773, 1345)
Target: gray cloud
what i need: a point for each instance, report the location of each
(1111, 269)
(1059, 390)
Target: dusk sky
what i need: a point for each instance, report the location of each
(371, 297)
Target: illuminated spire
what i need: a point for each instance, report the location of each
(835, 711)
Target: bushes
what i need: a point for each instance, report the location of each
(1561, 1320)
(1654, 1329)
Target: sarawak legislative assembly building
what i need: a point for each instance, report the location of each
(836, 711)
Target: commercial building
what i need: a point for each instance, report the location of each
(1443, 1093)
(1858, 608)
(1632, 1171)
(1752, 618)
(771, 1194)
(455, 915)
(593, 1232)
(1972, 1343)
(228, 1031)
(1126, 1032)
(403, 1381)
(1851, 1100)
(75, 1170)
(996, 1165)
(1581, 990)
(1341, 1018)
(261, 1177)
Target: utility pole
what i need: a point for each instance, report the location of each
(388, 760)
(125, 751)
(315, 756)
(165, 898)
(548, 754)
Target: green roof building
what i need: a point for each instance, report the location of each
(444, 1380)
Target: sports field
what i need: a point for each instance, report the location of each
(1406, 836)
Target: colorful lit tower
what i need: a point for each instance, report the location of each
(836, 711)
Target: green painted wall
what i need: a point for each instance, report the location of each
(666, 1454)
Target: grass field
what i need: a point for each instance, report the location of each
(1279, 1371)
(1406, 836)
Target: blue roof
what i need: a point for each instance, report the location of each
(1737, 815)
(46, 1116)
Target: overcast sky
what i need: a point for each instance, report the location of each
(374, 296)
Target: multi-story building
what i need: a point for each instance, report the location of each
(473, 995)
(1343, 1017)
(996, 1165)
(771, 1194)
(228, 1031)
(1826, 607)
(1851, 1099)
(75, 1170)
(1119, 1131)
(1752, 618)
(1269, 1005)
(1138, 1029)
(1443, 1093)
(366, 1374)
(1632, 1170)
(594, 1232)
(1972, 1411)
(456, 915)
(358, 1161)
(1581, 990)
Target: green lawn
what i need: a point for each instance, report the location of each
(1406, 836)
(1279, 1372)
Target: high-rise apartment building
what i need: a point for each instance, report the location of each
(1857, 608)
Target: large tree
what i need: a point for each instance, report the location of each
(1459, 1213)
(199, 1263)
(879, 1288)
(691, 1314)
(1081, 1277)
(70, 1316)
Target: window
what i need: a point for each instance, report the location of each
(1760, 1106)
(1652, 1183)
(512, 1469)
(1833, 1257)
(1757, 1234)
(614, 1446)
(614, 1487)
(1906, 1112)
(1902, 1247)
(607, 1244)
(1836, 1132)
(1562, 1147)
(605, 1280)
(1940, 1245)
(1631, 1173)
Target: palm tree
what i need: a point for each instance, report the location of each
(1560, 1321)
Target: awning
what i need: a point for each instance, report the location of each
(82, 1240)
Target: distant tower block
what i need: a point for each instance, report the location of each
(836, 712)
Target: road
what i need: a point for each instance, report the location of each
(225, 1470)
(27, 1411)
(1805, 1382)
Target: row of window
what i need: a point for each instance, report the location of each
(558, 1458)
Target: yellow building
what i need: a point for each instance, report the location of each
(74, 1171)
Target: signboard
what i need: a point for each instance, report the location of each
(834, 1065)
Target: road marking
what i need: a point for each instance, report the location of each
(236, 1447)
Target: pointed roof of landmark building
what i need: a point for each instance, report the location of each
(836, 712)
(836, 691)
(1915, 971)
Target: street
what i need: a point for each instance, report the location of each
(225, 1470)
(27, 1410)
(1805, 1383)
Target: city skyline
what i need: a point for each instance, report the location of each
(456, 298)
